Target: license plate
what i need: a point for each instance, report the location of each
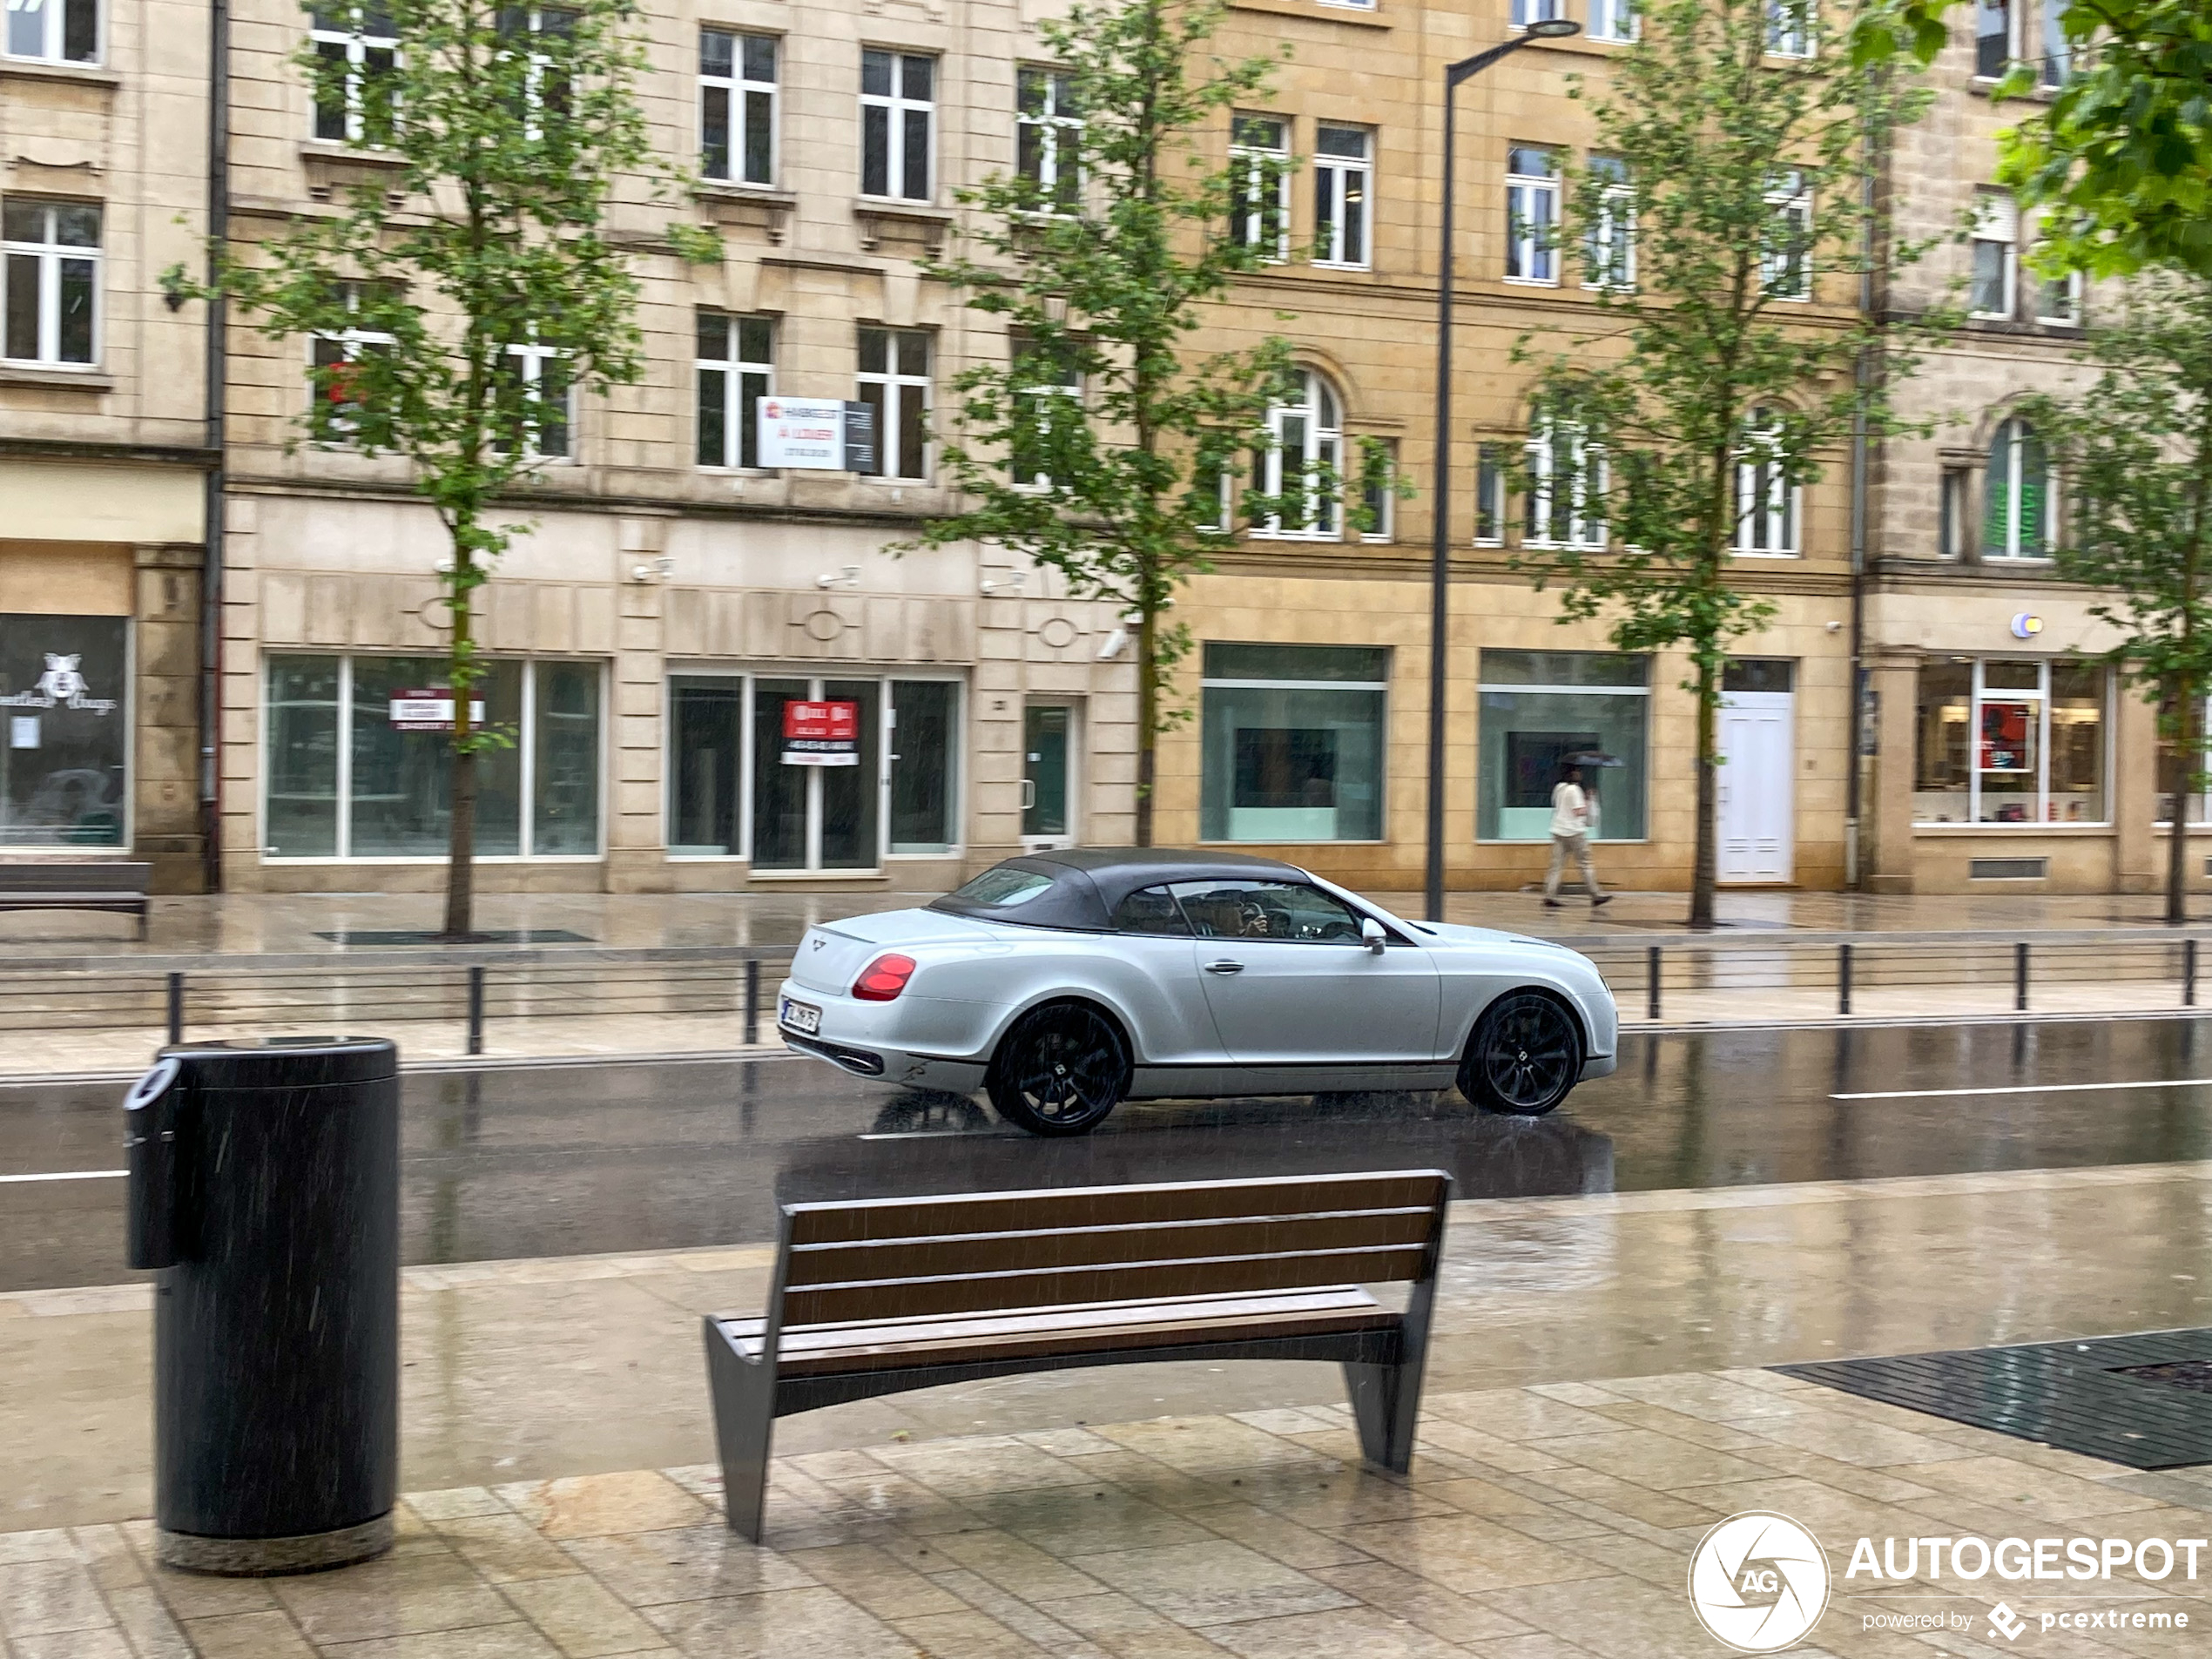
(802, 1017)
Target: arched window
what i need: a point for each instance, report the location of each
(2018, 516)
(1303, 464)
(1766, 501)
(1568, 477)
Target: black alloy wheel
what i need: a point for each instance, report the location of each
(1525, 1056)
(1059, 1071)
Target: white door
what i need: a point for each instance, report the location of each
(1756, 816)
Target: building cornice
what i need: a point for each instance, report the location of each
(159, 454)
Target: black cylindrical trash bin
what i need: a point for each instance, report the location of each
(264, 1185)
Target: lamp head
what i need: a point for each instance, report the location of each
(1552, 29)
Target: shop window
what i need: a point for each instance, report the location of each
(64, 766)
(777, 783)
(2018, 520)
(57, 31)
(2010, 741)
(355, 769)
(1292, 743)
(1541, 709)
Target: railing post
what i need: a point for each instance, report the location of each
(1652, 975)
(1843, 977)
(2188, 973)
(2020, 977)
(751, 1001)
(477, 1008)
(176, 1007)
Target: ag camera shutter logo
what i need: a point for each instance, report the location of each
(1758, 1581)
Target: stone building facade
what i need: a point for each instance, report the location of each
(102, 433)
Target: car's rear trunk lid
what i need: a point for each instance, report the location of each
(831, 956)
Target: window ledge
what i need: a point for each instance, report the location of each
(759, 205)
(328, 149)
(74, 379)
(1323, 10)
(2075, 832)
(873, 213)
(36, 68)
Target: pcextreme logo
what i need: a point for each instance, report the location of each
(1758, 1581)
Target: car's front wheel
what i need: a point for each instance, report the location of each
(1525, 1057)
(1060, 1070)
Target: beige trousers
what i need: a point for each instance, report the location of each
(1578, 848)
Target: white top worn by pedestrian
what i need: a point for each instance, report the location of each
(1570, 811)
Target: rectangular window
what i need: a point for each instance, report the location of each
(2057, 301)
(1292, 743)
(2018, 510)
(547, 81)
(2016, 741)
(357, 57)
(334, 377)
(1789, 28)
(1489, 495)
(1343, 168)
(1782, 262)
(540, 400)
(1993, 38)
(1540, 708)
(738, 106)
(351, 772)
(1996, 253)
(1379, 491)
(1259, 198)
(1048, 139)
(1567, 480)
(50, 283)
(55, 31)
(1048, 392)
(1766, 501)
(1609, 247)
(897, 123)
(65, 711)
(2057, 50)
(1531, 214)
(1614, 20)
(1951, 514)
(736, 368)
(894, 382)
(1528, 11)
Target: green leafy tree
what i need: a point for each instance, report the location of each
(459, 297)
(1679, 429)
(2135, 451)
(1101, 447)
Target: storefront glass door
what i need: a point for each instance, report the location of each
(1046, 731)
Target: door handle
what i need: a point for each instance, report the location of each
(1029, 793)
(1225, 966)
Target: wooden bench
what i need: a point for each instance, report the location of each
(882, 1295)
(117, 887)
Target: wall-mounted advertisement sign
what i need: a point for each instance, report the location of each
(821, 734)
(430, 709)
(816, 433)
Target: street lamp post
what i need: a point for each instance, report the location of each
(1440, 484)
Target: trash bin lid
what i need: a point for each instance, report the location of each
(284, 1063)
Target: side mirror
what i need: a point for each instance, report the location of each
(1372, 935)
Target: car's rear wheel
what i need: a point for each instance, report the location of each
(1059, 1071)
(1525, 1057)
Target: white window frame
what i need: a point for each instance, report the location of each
(740, 90)
(1386, 511)
(1996, 225)
(526, 745)
(1267, 173)
(1789, 27)
(54, 48)
(2070, 286)
(1587, 476)
(1532, 242)
(1619, 21)
(1528, 11)
(533, 359)
(895, 383)
(897, 106)
(2012, 485)
(1491, 496)
(1070, 389)
(1769, 510)
(350, 340)
(2055, 66)
(2041, 697)
(49, 255)
(1788, 194)
(1983, 9)
(359, 44)
(886, 758)
(1320, 443)
(1344, 198)
(739, 416)
(1610, 253)
(1056, 128)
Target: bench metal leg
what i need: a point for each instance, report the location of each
(744, 1422)
(1386, 1402)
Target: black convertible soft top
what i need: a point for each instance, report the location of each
(1088, 882)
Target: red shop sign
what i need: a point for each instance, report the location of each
(821, 734)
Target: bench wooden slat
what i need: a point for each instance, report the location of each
(57, 879)
(1053, 1209)
(1212, 1240)
(1116, 1282)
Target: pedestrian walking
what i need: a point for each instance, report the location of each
(1573, 822)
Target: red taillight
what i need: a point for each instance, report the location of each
(884, 978)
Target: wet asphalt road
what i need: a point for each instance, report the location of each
(573, 1160)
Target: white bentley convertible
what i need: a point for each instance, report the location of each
(1062, 983)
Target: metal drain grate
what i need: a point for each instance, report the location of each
(2144, 1401)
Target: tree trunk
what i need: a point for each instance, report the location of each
(1701, 868)
(461, 853)
(1148, 709)
(2188, 742)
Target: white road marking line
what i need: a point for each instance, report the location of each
(2031, 1089)
(71, 1174)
